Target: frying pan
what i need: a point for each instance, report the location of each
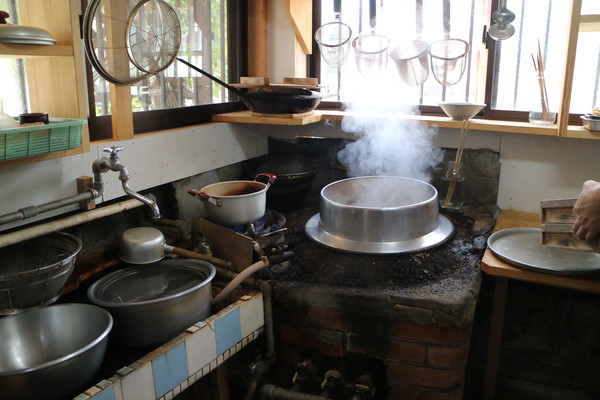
(271, 100)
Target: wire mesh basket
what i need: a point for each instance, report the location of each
(32, 140)
(33, 273)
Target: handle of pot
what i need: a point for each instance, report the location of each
(214, 78)
(372, 14)
(192, 254)
(205, 197)
(270, 178)
(337, 7)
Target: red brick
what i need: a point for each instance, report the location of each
(402, 392)
(448, 357)
(426, 377)
(329, 318)
(326, 342)
(456, 394)
(442, 335)
(406, 351)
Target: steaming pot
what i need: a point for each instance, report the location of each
(379, 215)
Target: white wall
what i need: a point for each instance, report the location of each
(151, 160)
(533, 167)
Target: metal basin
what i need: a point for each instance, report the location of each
(153, 303)
(59, 347)
(33, 273)
(379, 215)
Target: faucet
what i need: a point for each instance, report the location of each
(112, 163)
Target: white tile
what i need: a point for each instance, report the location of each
(252, 315)
(201, 348)
(139, 384)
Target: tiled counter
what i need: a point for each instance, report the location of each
(173, 367)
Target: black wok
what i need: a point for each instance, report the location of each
(271, 100)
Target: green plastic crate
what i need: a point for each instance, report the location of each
(60, 134)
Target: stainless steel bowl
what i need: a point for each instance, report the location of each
(379, 214)
(59, 347)
(154, 303)
(33, 273)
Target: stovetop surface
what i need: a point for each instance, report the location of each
(447, 276)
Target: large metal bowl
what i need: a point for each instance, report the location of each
(52, 353)
(154, 303)
(33, 273)
(379, 215)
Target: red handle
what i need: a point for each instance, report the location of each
(198, 193)
(270, 177)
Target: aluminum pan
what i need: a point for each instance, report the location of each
(523, 247)
(435, 238)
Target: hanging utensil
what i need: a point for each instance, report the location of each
(411, 58)
(127, 41)
(334, 39)
(371, 50)
(448, 56)
(502, 29)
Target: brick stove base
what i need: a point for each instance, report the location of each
(421, 361)
(417, 326)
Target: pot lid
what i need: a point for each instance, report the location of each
(18, 34)
(150, 283)
(287, 164)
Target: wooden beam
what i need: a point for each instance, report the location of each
(257, 37)
(299, 13)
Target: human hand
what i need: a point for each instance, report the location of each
(587, 213)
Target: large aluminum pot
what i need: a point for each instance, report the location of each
(379, 214)
(153, 303)
(52, 353)
(235, 202)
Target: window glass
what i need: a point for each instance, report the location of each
(204, 44)
(407, 63)
(513, 81)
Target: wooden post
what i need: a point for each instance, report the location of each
(257, 37)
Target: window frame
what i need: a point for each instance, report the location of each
(101, 127)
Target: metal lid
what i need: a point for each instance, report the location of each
(150, 283)
(18, 34)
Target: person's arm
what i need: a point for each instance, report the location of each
(587, 213)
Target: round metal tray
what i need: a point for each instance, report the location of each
(435, 238)
(523, 247)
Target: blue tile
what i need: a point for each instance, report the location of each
(106, 394)
(228, 330)
(169, 369)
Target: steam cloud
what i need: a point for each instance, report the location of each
(387, 146)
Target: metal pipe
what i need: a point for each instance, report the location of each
(55, 226)
(33, 211)
(272, 392)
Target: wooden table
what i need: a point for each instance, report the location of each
(502, 272)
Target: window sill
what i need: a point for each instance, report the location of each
(573, 131)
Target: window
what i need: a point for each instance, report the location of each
(499, 73)
(178, 96)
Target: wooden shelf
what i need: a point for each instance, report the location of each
(573, 131)
(33, 50)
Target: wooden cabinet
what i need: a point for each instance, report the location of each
(55, 74)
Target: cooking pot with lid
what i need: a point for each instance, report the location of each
(271, 100)
(295, 175)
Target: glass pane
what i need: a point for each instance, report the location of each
(203, 43)
(516, 85)
(586, 77)
(399, 72)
